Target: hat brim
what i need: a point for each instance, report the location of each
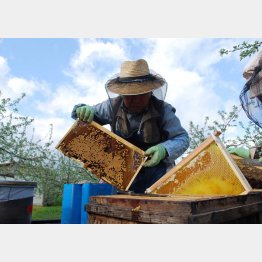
(134, 88)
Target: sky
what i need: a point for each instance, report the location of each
(57, 73)
(41, 54)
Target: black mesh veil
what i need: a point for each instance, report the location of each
(251, 97)
(159, 92)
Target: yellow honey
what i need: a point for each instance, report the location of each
(208, 173)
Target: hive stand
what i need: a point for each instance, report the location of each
(103, 153)
(208, 170)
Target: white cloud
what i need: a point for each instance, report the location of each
(19, 85)
(4, 69)
(189, 87)
(60, 101)
(95, 61)
(196, 87)
(60, 127)
(12, 86)
(91, 50)
(90, 68)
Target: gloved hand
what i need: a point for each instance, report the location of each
(260, 159)
(157, 153)
(85, 113)
(240, 151)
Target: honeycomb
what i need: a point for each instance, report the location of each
(208, 173)
(103, 153)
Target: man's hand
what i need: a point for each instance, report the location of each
(240, 151)
(157, 153)
(85, 113)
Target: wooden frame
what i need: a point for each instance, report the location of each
(103, 153)
(211, 139)
(233, 165)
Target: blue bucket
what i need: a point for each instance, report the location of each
(76, 196)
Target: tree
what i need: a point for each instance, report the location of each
(24, 157)
(251, 133)
(246, 49)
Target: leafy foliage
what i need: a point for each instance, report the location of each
(246, 49)
(251, 134)
(24, 157)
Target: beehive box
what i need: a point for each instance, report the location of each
(251, 169)
(208, 170)
(177, 209)
(103, 153)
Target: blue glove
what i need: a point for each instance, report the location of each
(157, 153)
(85, 113)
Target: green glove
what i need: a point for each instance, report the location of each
(240, 151)
(157, 153)
(85, 113)
(260, 159)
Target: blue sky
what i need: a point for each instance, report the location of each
(38, 58)
(58, 73)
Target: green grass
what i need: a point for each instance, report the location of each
(46, 213)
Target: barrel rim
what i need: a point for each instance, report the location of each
(17, 183)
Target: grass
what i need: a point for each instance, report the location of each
(46, 213)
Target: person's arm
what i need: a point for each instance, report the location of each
(177, 140)
(103, 113)
(252, 153)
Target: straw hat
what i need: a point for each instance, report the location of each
(252, 66)
(134, 78)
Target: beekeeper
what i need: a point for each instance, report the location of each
(137, 112)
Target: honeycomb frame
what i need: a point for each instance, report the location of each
(103, 153)
(200, 173)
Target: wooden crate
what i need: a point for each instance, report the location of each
(105, 154)
(208, 170)
(179, 209)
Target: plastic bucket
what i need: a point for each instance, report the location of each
(16, 202)
(75, 196)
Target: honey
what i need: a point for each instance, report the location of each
(208, 172)
(106, 155)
